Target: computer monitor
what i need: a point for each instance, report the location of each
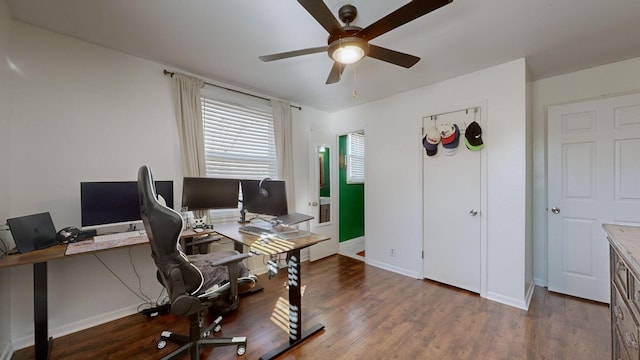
(266, 197)
(210, 193)
(108, 203)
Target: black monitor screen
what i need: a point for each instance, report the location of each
(115, 202)
(271, 201)
(210, 193)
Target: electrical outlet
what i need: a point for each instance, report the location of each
(392, 252)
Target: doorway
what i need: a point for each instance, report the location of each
(593, 175)
(454, 201)
(322, 204)
(351, 184)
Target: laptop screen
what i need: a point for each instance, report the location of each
(32, 232)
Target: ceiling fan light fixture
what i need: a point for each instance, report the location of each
(348, 50)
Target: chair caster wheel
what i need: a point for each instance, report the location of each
(161, 344)
(217, 329)
(241, 350)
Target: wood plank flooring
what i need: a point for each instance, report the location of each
(371, 313)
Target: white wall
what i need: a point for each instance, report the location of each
(529, 243)
(603, 81)
(393, 193)
(5, 109)
(5, 174)
(85, 113)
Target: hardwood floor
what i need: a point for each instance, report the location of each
(371, 313)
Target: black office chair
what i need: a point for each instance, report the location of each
(193, 283)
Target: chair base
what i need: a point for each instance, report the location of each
(198, 338)
(194, 347)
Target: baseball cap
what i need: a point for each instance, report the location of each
(473, 137)
(431, 141)
(449, 151)
(455, 139)
(447, 133)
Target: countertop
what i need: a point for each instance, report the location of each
(626, 240)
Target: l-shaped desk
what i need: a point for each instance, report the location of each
(39, 259)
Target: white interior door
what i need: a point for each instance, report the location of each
(593, 176)
(452, 211)
(323, 192)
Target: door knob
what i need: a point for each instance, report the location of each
(473, 212)
(555, 210)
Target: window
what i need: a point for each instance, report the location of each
(355, 158)
(238, 144)
(238, 141)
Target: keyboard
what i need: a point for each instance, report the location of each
(255, 230)
(119, 236)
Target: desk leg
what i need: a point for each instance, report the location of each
(40, 316)
(237, 246)
(296, 334)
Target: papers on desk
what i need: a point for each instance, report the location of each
(90, 246)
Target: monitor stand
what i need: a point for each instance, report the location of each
(243, 216)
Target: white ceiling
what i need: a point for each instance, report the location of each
(222, 39)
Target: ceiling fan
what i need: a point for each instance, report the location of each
(348, 44)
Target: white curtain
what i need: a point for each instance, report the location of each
(186, 96)
(283, 131)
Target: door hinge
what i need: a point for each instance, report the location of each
(423, 254)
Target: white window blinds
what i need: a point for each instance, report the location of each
(238, 141)
(355, 158)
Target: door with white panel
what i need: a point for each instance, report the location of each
(593, 178)
(322, 193)
(452, 210)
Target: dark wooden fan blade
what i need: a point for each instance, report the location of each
(319, 10)
(288, 54)
(403, 15)
(336, 73)
(392, 56)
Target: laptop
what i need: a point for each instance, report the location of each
(32, 232)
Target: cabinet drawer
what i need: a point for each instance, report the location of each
(634, 294)
(619, 272)
(619, 352)
(626, 325)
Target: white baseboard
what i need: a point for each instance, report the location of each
(529, 296)
(353, 256)
(7, 352)
(26, 341)
(517, 303)
(540, 282)
(351, 247)
(394, 269)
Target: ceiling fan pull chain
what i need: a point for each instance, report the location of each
(355, 85)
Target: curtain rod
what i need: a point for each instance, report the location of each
(170, 73)
(435, 116)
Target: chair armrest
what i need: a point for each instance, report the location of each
(230, 259)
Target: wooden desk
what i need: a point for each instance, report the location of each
(39, 259)
(292, 248)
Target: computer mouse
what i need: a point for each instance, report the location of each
(198, 230)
